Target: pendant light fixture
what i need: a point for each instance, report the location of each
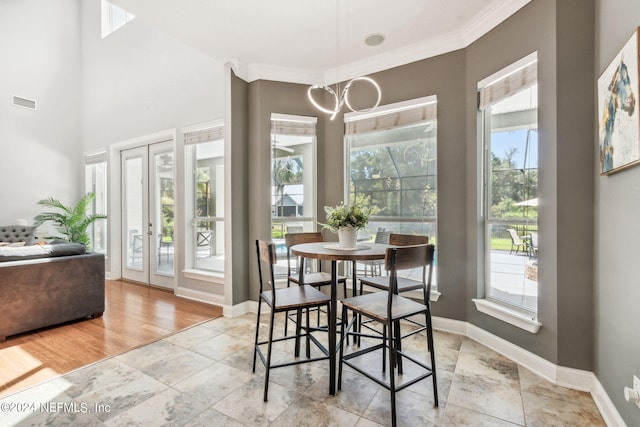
(341, 98)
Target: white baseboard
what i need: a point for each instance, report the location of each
(218, 300)
(576, 379)
(239, 309)
(200, 296)
(605, 405)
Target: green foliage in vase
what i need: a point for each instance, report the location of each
(355, 216)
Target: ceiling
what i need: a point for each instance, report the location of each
(321, 41)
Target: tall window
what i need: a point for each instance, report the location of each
(392, 166)
(95, 172)
(293, 180)
(204, 161)
(509, 102)
(113, 17)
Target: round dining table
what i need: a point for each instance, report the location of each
(328, 251)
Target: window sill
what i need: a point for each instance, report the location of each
(505, 314)
(205, 276)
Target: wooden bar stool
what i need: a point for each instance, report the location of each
(296, 298)
(389, 308)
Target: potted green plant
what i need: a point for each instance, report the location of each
(71, 222)
(346, 220)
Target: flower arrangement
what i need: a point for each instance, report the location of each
(354, 216)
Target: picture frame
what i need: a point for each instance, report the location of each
(618, 115)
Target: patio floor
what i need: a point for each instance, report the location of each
(512, 279)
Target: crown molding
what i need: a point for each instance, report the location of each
(395, 58)
(489, 18)
(257, 71)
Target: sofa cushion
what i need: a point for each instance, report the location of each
(40, 251)
(18, 233)
(64, 249)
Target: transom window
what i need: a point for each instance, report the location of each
(113, 17)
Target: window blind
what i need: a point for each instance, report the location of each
(204, 135)
(290, 127)
(391, 120)
(504, 87)
(92, 159)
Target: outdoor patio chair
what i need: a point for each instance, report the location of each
(532, 244)
(516, 242)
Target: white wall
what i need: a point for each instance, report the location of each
(40, 51)
(138, 81)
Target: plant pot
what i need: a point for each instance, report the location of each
(347, 237)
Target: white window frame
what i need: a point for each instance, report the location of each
(514, 315)
(191, 269)
(386, 110)
(92, 179)
(310, 202)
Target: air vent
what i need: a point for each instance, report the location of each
(17, 101)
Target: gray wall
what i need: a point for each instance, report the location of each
(266, 97)
(562, 33)
(443, 76)
(434, 76)
(617, 203)
(239, 100)
(40, 50)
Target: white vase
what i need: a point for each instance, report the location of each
(347, 237)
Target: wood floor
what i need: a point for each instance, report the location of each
(134, 315)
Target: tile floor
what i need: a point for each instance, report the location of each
(202, 377)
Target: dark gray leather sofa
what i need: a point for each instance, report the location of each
(50, 289)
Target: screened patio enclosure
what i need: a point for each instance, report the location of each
(394, 172)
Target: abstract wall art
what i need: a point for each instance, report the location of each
(619, 124)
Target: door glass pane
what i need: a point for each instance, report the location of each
(512, 200)
(163, 211)
(135, 231)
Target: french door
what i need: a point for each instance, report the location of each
(148, 214)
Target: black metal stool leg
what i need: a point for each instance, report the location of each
(255, 343)
(392, 374)
(298, 331)
(268, 366)
(433, 357)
